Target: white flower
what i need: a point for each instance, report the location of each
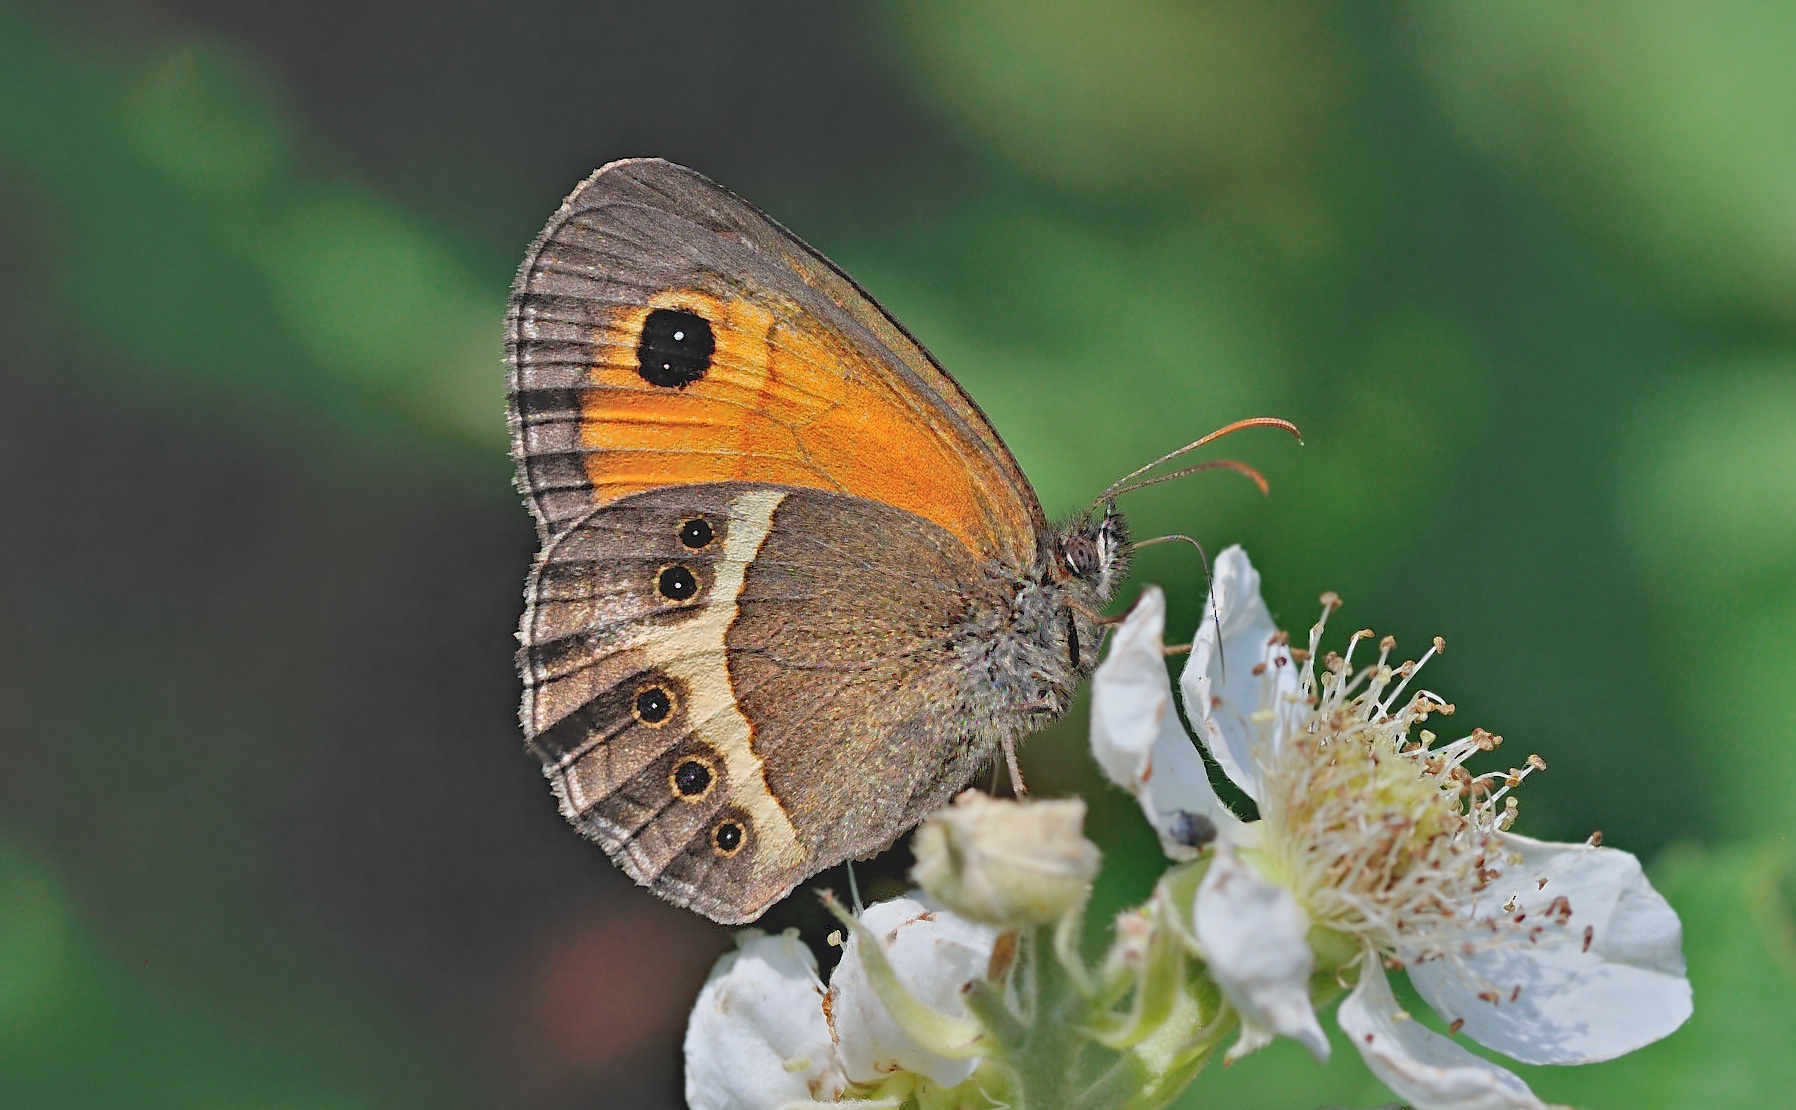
(1375, 845)
(923, 1025)
(757, 1038)
(1420, 1065)
(1256, 937)
(1137, 738)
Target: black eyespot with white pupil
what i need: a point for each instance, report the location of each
(675, 349)
(727, 837)
(691, 778)
(697, 533)
(653, 705)
(676, 583)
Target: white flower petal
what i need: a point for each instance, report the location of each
(1577, 1002)
(1421, 1066)
(1136, 735)
(934, 954)
(1221, 690)
(1256, 940)
(757, 1037)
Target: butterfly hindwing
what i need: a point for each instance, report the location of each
(809, 698)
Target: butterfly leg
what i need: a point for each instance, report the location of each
(1016, 773)
(854, 888)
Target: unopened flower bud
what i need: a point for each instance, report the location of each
(1006, 862)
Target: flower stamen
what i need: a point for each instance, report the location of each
(1378, 828)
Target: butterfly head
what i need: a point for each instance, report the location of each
(1093, 550)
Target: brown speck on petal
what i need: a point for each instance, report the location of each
(1004, 951)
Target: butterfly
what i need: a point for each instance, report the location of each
(793, 592)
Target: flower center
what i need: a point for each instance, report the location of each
(1379, 832)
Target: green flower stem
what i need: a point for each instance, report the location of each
(1156, 987)
(987, 1002)
(1033, 1023)
(1066, 949)
(1162, 973)
(1173, 1027)
(1048, 1057)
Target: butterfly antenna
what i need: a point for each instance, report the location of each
(1209, 594)
(1119, 485)
(1238, 467)
(1176, 537)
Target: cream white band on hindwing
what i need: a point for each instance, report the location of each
(699, 659)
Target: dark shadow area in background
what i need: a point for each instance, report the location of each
(262, 717)
(470, 112)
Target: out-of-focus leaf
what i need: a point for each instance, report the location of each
(1712, 504)
(197, 113)
(176, 231)
(34, 944)
(1711, 513)
(1679, 113)
(1132, 98)
(82, 1027)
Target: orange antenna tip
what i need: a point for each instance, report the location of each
(1122, 485)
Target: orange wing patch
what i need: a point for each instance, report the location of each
(784, 400)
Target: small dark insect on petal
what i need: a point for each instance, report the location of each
(1193, 830)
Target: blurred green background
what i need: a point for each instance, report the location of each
(1525, 273)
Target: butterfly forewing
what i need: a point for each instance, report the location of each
(663, 331)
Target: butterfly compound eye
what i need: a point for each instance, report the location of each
(1081, 554)
(675, 349)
